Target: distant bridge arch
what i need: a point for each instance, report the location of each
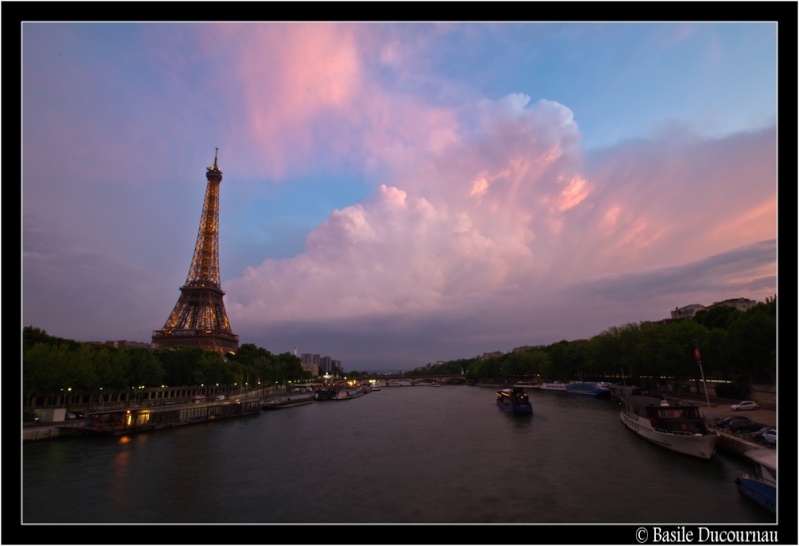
(443, 379)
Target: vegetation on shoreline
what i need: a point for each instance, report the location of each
(51, 365)
(736, 346)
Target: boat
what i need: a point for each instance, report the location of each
(289, 401)
(526, 385)
(678, 427)
(304, 387)
(553, 386)
(324, 393)
(116, 422)
(347, 393)
(514, 400)
(761, 484)
(590, 388)
(436, 384)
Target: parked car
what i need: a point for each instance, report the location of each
(758, 434)
(725, 422)
(770, 436)
(745, 405)
(744, 425)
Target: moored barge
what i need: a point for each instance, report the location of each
(289, 401)
(134, 420)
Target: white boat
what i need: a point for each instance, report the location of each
(760, 485)
(525, 385)
(553, 386)
(680, 428)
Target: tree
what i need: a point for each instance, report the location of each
(145, 369)
(44, 368)
(719, 316)
(211, 369)
(178, 364)
(752, 344)
(113, 368)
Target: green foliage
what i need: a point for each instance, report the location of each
(46, 367)
(736, 346)
(522, 364)
(752, 338)
(31, 336)
(717, 317)
(178, 364)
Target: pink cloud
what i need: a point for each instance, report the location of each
(511, 207)
(294, 94)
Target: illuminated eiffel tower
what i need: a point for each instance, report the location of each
(199, 318)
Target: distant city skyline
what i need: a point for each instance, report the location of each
(397, 194)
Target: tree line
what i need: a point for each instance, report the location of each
(51, 364)
(735, 346)
(739, 347)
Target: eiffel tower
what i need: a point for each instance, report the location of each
(199, 318)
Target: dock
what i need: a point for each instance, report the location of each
(288, 401)
(134, 420)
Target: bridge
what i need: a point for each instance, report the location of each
(427, 379)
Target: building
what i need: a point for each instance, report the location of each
(689, 311)
(485, 356)
(199, 318)
(742, 304)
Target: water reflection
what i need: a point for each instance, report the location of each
(400, 455)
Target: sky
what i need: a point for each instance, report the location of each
(397, 194)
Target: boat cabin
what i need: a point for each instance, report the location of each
(675, 419)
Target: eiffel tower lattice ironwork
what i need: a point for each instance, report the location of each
(199, 318)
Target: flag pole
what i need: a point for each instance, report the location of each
(698, 357)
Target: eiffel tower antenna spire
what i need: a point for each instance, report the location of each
(199, 318)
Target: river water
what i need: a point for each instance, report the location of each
(401, 455)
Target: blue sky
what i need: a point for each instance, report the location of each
(398, 193)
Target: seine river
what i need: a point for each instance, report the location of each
(401, 455)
